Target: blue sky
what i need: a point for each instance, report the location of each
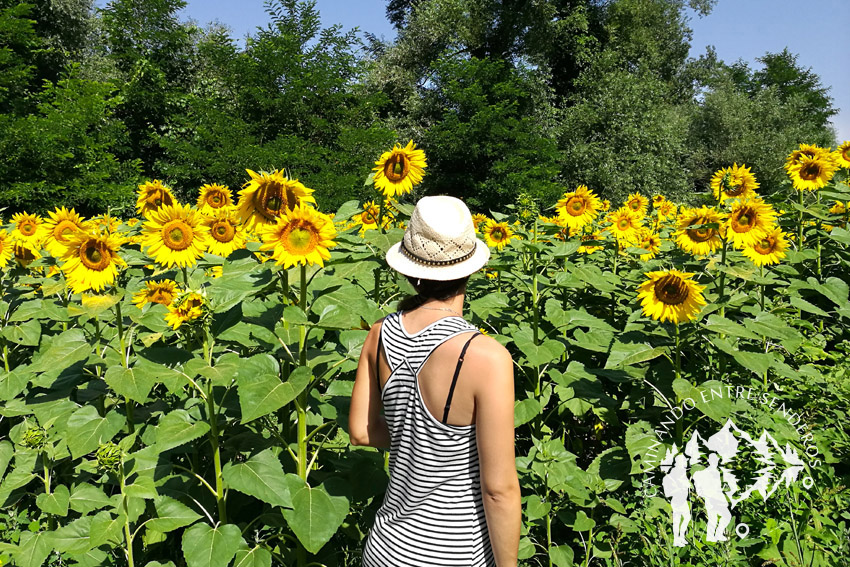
(738, 29)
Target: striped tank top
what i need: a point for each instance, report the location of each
(432, 513)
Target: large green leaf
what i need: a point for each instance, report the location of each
(537, 355)
(526, 410)
(260, 476)
(639, 439)
(56, 502)
(26, 333)
(33, 549)
(171, 514)
(86, 430)
(316, 515)
(724, 326)
(106, 528)
(262, 393)
(205, 546)
(73, 537)
(626, 354)
(711, 398)
(254, 557)
(61, 351)
(86, 498)
(133, 383)
(13, 383)
(177, 428)
(612, 466)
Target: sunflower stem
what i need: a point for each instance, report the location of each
(128, 535)
(185, 277)
(219, 481)
(721, 283)
(800, 221)
(761, 288)
(128, 403)
(301, 404)
(678, 357)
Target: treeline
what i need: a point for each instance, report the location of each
(506, 97)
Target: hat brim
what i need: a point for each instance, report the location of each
(404, 265)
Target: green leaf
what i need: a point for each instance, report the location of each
(316, 515)
(204, 546)
(62, 351)
(56, 502)
(725, 326)
(561, 556)
(711, 398)
(535, 508)
(106, 528)
(171, 514)
(73, 537)
(639, 439)
(86, 498)
(490, 305)
(86, 430)
(6, 453)
(33, 549)
(27, 333)
(526, 410)
(254, 557)
(612, 466)
(537, 355)
(261, 394)
(133, 383)
(262, 477)
(13, 383)
(347, 210)
(804, 305)
(627, 354)
(178, 428)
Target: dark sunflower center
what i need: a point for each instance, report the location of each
(634, 205)
(23, 254)
(845, 153)
(671, 290)
(764, 246)
(700, 234)
(215, 200)
(623, 223)
(223, 231)
(576, 206)
(94, 255)
(270, 199)
(734, 188)
(370, 217)
(177, 235)
(745, 220)
(497, 234)
(162, 296)
(396, 168)
(27, 228)
(810, 171)
(63, 229)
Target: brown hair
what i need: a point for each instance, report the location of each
(431, 289)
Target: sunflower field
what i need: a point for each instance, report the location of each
(175, 386)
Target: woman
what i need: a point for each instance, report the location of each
(447, 396)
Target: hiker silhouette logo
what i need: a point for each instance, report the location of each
(724, 467)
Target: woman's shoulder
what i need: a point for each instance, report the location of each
(490, 349)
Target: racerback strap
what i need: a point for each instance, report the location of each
(378, 356)
(454, 379)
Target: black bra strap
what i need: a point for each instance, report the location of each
(378, 356)
(454, 379)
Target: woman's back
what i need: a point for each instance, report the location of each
(432, 513)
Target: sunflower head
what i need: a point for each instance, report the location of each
(770, 249)
(91, 261)
(300, 236)
(6, 246)
(578, 208)
(812, 173)
(157, 291)
(225, 232)
(624, 223)
(174, 236)
(587, 247)
(24, 255)
(805, 150)
(842, 155)
(267, 196)
(28, 229)
(62, 223)
(214, 197)
(152, 196)
(188, 307)
(733, 183)
(671, 295)
(637, 204)
(698, 231)
(398, 170)
(497, 234)
(749, 221)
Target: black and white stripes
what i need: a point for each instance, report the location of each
(432, 514)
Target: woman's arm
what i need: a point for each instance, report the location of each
(366, 424)
(494, 424)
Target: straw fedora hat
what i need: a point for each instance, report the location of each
(439, 242)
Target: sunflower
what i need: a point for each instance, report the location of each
(649, 241)
(268, 196)
(749, 221)
(174, 237)
(398, 170)
(805, 150)
(605, 206)
(838, 208)
(842, 155)
(657, 199)
(188, 306)
(105, 222)
(214, 272)
(156, 291)
(478, 219)
(769, 250)
(368, 219)
(5, 248)
(733, 183)
(497, 234)
(624, 223)
(300, 236)
(586, 248)
(24, 255)
(214, 197)
(29, 230)
(671, 295)
(225, 232)
(812, 173)
(637, 204)
(91, 260)
(578, 208)
(695, 239)
(666, 210)
(153, 195)
(61, 224)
